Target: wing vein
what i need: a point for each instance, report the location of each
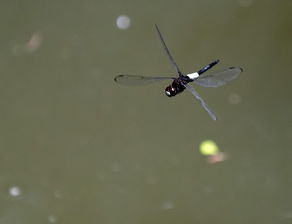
(205, 106)
(167, 52)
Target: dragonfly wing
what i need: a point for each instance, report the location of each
(138, 80)
(205, 106)
(218, 78)
(167, 52)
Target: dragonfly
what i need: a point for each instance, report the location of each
(182, 82)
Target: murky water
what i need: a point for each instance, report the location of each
(78, 148)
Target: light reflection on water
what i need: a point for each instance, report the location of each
(14, 191)
(123, 22)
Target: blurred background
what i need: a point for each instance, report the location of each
(76, 147)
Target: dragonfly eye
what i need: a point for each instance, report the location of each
(170, 91)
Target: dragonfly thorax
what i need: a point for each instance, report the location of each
(175, 88)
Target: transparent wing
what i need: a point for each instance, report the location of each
(205, 106)
(167, 52)
(218, 78)
(138, 80)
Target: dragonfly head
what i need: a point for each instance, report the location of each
(170, 91)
